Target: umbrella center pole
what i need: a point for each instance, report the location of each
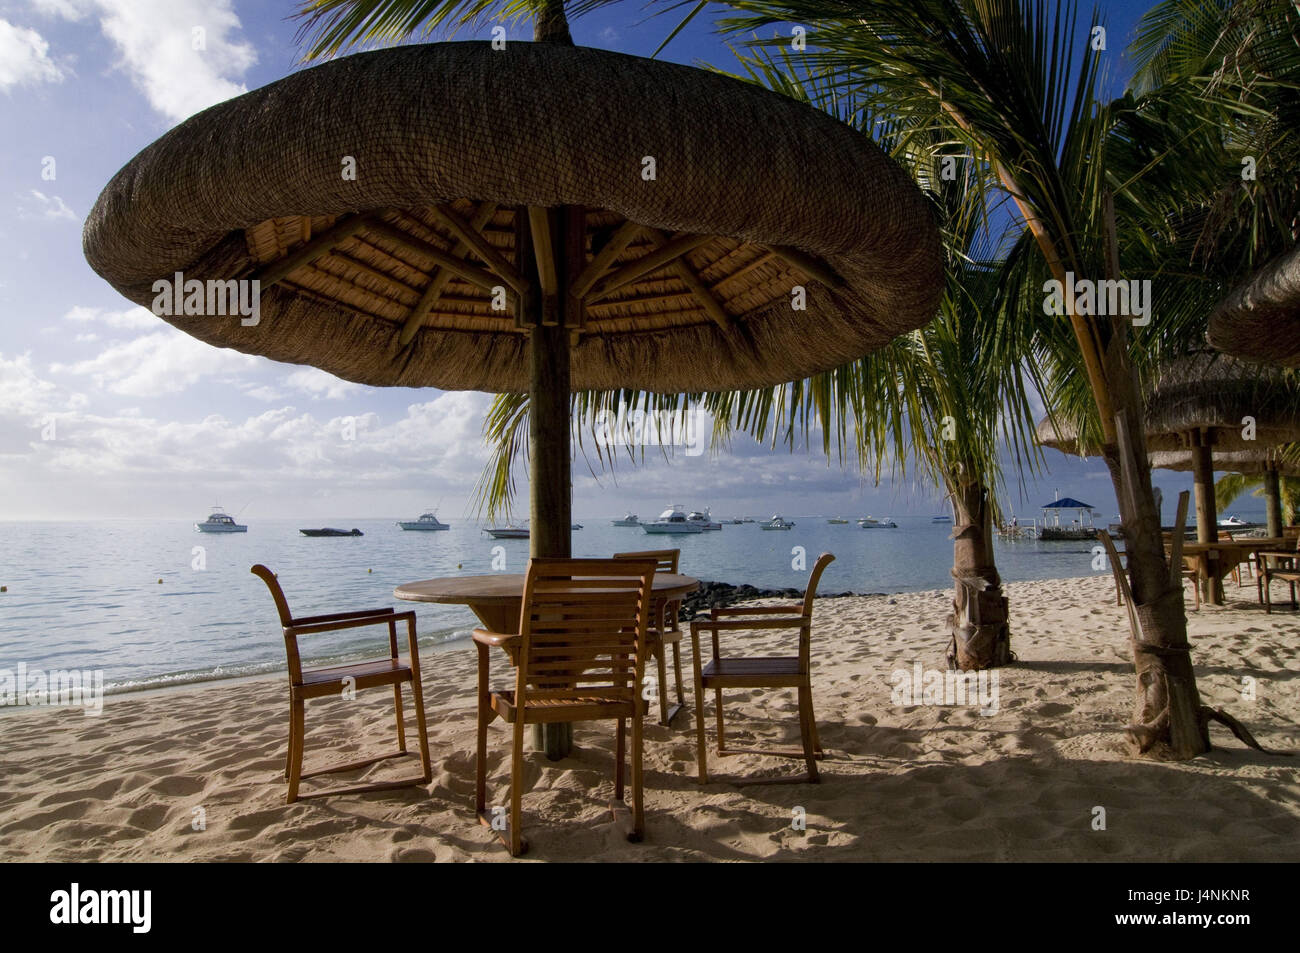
(551, 253)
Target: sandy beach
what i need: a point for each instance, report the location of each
(920, 782)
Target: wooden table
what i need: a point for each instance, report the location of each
(1216, 560)
(497, 599)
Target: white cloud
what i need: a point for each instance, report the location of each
(24, 58)
(318, 383)
(157, 39)
(130, 319)
(33, 204)
(165, 362)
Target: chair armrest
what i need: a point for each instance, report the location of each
(336, 616)
(782, 622)
(384, 619)
(502, 640)
(755, 610)
(1273, 553)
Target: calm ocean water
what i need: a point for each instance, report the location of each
(87, 595)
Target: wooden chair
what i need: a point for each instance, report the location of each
(1287, 569)
(665, 630)
(759, 672)
(579, 656)
(334, 679)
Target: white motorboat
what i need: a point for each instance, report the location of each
(870, 522)
(1236, 522)
(427, 521)
(629, 520)
(776, 522)
(672, 521)
(219, 522)
(705, 520)
(508, 531)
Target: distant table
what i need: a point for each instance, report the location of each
(497, 599)
(1216, 560)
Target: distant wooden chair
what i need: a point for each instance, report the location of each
(334, 679)
(1287, 569)
(665, 630)
(729, 671)
(579, 656)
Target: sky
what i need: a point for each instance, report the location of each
(108, 412)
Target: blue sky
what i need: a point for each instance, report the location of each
(105, 411)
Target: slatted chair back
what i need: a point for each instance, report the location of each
(666, 560)
(824, 560)
(583, 631)
(286, 621)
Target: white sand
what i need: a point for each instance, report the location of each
(916, 783)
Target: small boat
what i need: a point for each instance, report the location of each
(737, 522)
(330, 531)
(672, 521)
(941, 519)
(576, 526)
(219, 522)
(427, 521)
(837, 522)
(870, 522)
(629, 520)
(705, 520)
(748, 519)
(508, 531)
(776, 522)
(1235, 522)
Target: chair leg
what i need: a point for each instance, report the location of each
(663, 682)
(1268, 594)
(806, 730)
(485, 714)
(717, 699)
(288, 758)
(812, 724)
(677, 669)
(701, 748)
(620, 757)
(638, 801)
(397, 709)
(297, 733)
(516, 785)
(421, 727)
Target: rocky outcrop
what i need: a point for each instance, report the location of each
(721, 593)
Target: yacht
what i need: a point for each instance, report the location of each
(837, 522)
(509, 531)
(776, 522)
(629, 520)
(219, 522)
(330, 531)
(1235, 522)
(705, 520)
(870, 522)
(672, 521)
(427, 521)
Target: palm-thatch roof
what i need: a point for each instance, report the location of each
(1249, 462)
(390, 277)
(1259, 320)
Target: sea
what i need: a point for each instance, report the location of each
(151, 603)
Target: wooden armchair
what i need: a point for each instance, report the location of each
(1287, 569)
(333, 680)
(729, 671)
(665, 630)
(579, 656)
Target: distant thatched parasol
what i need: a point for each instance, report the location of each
(1260, 319)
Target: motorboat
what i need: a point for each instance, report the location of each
(427, 521)
(777, 522)
(705, 520)
(1235, 522)
(576, 526)
(672, 521)
(870, 522)
(330, 531)
(837, 522)
(219, 521)
(629, 520)
(509, 531)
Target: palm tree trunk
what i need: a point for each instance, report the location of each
(551, 24)
(981, 637)
(1273, 501)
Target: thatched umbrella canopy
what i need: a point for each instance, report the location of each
(1259, 320)
(540, 218)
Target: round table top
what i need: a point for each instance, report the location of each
(500, 588)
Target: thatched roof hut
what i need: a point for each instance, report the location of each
(699, 205)
(1259, 320)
